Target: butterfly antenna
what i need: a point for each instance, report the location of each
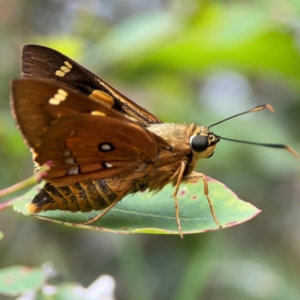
(255, 109)
(276, 146)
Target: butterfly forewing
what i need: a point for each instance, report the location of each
(83, 138)
(46, 63)
(33, 109)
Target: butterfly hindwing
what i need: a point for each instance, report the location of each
(46, 63)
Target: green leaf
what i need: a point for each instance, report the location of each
(146, 212)
(216, 40)
(17, 279)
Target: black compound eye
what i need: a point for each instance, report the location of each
(199, 143)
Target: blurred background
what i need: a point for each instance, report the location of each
(184, 61)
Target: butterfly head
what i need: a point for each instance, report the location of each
(204, 143)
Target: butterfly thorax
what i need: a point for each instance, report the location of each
(167, 164)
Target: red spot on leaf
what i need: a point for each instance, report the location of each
(125, 228)
(182, 192)
(231, 223)
(194, 197)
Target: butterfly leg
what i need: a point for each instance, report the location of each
(193, 177)
(182, 168)
(101, 214)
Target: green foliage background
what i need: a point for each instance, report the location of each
(184, 61)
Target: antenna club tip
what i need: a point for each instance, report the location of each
(292, 151)
(270, 108)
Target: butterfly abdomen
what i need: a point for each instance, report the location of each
(81, 196)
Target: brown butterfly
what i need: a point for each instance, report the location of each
(102, 145)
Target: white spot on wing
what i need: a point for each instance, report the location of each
(60, 73)
(54, 101)
(68, 65)
(69, 161)
(64, 69)
(105, 147)
(73, 170)
(62, 92)
(98, 113)
(108, 165)
(61, 95)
